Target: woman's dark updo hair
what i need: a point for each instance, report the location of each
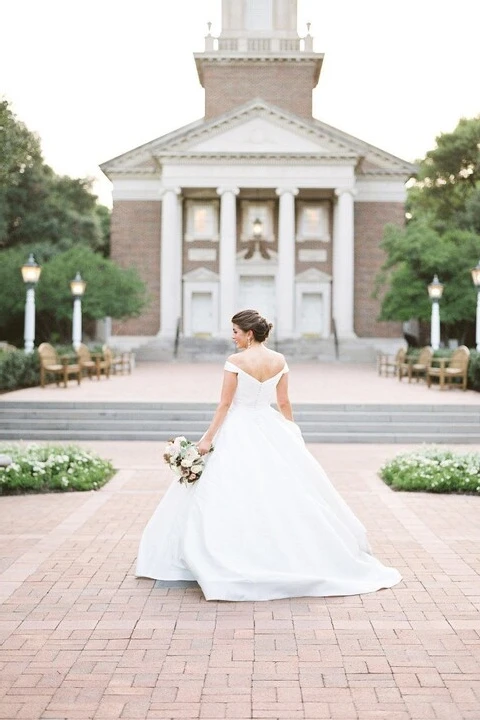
(252, 320)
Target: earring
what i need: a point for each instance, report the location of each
(249, 342)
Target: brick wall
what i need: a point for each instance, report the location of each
(135, 242)
(287, 85)
(370, 219)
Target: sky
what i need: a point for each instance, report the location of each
(96, 78)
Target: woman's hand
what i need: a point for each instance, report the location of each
(204, 446)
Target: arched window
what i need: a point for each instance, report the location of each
(259, 14)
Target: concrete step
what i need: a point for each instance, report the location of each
(196, 349)
(71, 421)
(327, 437)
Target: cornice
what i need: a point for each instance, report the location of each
(242, 58)
(208, 158)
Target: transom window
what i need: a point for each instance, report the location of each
(313, 221)
(202, 220)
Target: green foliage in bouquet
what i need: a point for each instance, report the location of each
(49, 468)
(435, 470)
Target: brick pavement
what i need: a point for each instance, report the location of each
(83, 639)
(309, 383)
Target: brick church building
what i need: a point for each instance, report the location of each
(258, 204)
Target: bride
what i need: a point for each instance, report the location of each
(263, 521)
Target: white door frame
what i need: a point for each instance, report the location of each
(200, 280)
(309, 282)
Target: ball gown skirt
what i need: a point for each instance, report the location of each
(263, 521)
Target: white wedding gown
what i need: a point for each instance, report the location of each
(263, 521)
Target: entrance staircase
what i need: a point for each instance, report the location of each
(123, 421)
(198, 349)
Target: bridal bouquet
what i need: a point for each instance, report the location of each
(184, 459)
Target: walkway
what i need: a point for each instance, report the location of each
(201, 382)
(84, 639)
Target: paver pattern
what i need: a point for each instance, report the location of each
(83, 638)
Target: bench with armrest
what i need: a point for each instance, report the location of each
(103, 361)
(86, 361)
(58, 366)
(418, 367)
(449, 370)
(388, 364)
(123, 362)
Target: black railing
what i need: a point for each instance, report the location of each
(177, 338)
(335, 339)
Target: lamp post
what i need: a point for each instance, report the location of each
(31, 274)
(257, 227)
(77, 287)
(435, 290)
(476, 282)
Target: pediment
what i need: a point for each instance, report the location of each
(313, 275)
(253, 131)
(260, 135)
(201, 274)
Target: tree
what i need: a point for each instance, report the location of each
(19, 148)
(450, 173)
(111, 291)
(442, 236)
(37, 205)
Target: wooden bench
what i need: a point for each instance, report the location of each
(86, 361)
(60, 367)
(418, 368)
(389, 364)
(451, 369)
(123, 362)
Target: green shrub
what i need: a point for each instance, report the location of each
(19, 370)
(49, 468)
(474, 370)
(431, 469)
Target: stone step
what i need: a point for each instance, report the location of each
(195, 349)
(80, 416)
(160, 421)
(405, 437)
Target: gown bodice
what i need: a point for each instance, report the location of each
(252, 393)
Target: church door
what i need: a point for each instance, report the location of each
(258, 293)
(202, 313)
(311, 314)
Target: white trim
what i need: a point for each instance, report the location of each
(321, 285)
(136, 189)
(381, 191)
(204, 281)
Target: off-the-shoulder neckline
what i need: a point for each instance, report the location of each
(261, 382)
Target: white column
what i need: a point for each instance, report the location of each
(77, 323)
(29, 334)
(477, 333)
(285, 289)
(228, 254)
(343, 263)
(171, 263)
(435, 325)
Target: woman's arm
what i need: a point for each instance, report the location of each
(228, 391)
(283, 401)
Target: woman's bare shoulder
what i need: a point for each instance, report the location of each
(233, 359)
(278, 356)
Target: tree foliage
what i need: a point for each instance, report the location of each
(110, 291)
(19, 148)
(442, 236)
(36, 204)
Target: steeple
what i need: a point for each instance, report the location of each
(259, 54)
